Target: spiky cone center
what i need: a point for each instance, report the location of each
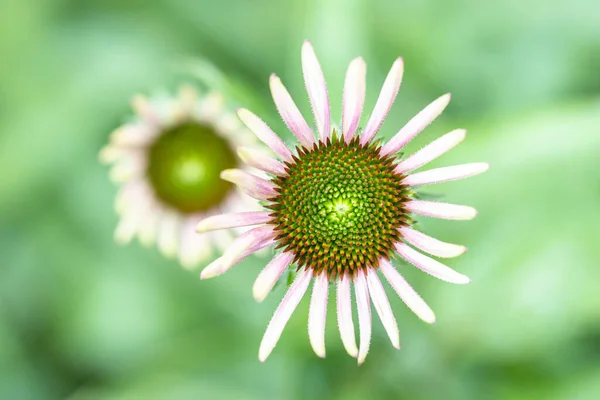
(184, 166)
(339, 207)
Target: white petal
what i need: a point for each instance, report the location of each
(408, 295)
(431, 245)
(429, 265)
(168, 234)
(132, 135)
(270, 275)
(211, 107)
(193, 247)
(144, 109)
(244, 245)
(265, 134)
(233, 220)
(383, 308)
(364, 315)
(129, 167)
(290, 113)
(432, 151)
(317, 314)
(148, 230)
(259, 160)
(440, 210)
(416, 125)
(386, 98)
(344, 314)
(354, 97)
(445, 174)
(253, 186)
(317, 90)
(283, 314)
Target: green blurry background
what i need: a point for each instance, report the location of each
(83, 318)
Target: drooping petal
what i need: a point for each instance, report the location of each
(344, 315)
(168, 234)
(317, 90)
(445, 174)
(408, 295)
(364, 315)
(290, 113)
(383, 308)
(384, 102)
(283, 314)
(432, 151)
(431, 245)
(251, 185)
(436, 209)
(192, 247)
(429, 265)
(416, 125)
(260, 160)
(148, 230)
(317, 314)
(244, 245)
(265, 134)
(270, 275)
(233, 220)
(354, 97)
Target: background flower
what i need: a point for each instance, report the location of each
(81, 317)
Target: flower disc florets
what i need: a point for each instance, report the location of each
(184, 166)
(339, 207)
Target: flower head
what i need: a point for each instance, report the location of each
(339, 207)
(168, 162)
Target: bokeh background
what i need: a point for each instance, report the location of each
(81, 318)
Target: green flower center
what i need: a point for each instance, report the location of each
(184, 166)
(340, 207)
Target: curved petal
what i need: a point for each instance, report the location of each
(431, 245)
(429, 265)
(344, 314)
(354, 97)
(251, 185)
(432, 151)
(408, 295)
(283, 313)
(436, 209)
(233, 220)
(445, 174)
(270, 275)
(386, 98)
(290, 113)
(259, 160)
(265, 134)
(317, 314)
(317, 90)
(383, 308)
(416, 125)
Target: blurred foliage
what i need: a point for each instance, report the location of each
(82, 318)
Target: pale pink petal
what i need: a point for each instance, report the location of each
(168, 234)
(386, 98)
(408, 295)
(193, 247)
(431, 245)
(233, 220)
(132, 135)
(317, 314)
(429, 265)
(440, 210)
(354, 97)
(317, 90)
(148, 230)
(364, 315)
(383, 308)
(244, 245)
(270, 275)
(128, 168)
(415, 125)
(445, 174)
(431, 151)
(253, 186)
(144, 109)
(290, 113)
(260, 160)
(344, 314)
(265, 134)
(283, 314)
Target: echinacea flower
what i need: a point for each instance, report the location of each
(339, 208)
(168, 162)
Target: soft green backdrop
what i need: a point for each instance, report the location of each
(82, 318)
